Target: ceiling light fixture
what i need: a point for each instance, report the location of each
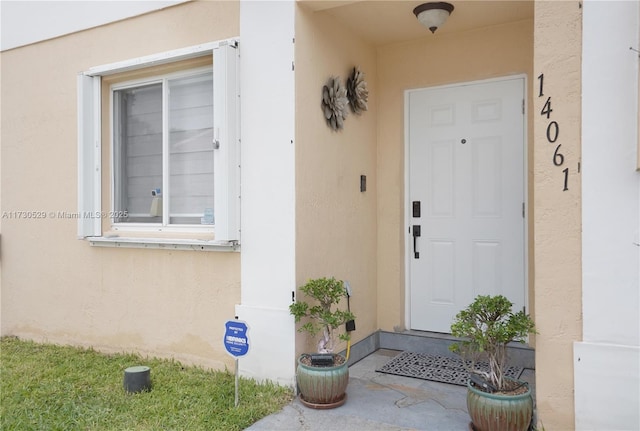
(433, 15)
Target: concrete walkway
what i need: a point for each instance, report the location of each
(377, 401)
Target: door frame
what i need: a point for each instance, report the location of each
(407, 203)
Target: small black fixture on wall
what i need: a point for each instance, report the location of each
(363, 183)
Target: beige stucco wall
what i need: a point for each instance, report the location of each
(433, 60)
(335, 222)
(59, 289)
(558, 293)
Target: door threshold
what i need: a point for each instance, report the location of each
(429, 334)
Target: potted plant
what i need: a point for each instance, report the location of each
(322, 378)
(486, 326)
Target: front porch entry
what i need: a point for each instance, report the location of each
(465, 198)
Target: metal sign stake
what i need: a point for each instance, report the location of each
(236, 382)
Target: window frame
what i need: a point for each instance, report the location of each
(163, 79)
(227, 151)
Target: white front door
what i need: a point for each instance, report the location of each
(466, 198)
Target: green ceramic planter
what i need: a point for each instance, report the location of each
(322, 387)
(495, 412)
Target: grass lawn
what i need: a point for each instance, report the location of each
(47, 387)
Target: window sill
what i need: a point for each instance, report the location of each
(164, 243)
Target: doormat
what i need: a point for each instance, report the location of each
(437, 368)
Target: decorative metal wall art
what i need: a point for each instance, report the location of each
(334, 103)
(357, 91)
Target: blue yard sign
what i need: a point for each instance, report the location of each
(236, 340)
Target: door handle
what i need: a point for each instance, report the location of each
(415, 231)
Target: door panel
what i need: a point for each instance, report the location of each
(441, 168)
(466, 167)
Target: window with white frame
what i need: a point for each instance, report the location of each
(174, 146)
(164, 150)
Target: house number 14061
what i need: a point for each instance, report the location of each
(553, 131)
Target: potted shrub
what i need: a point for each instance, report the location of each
(323, 377)
(486, 326)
